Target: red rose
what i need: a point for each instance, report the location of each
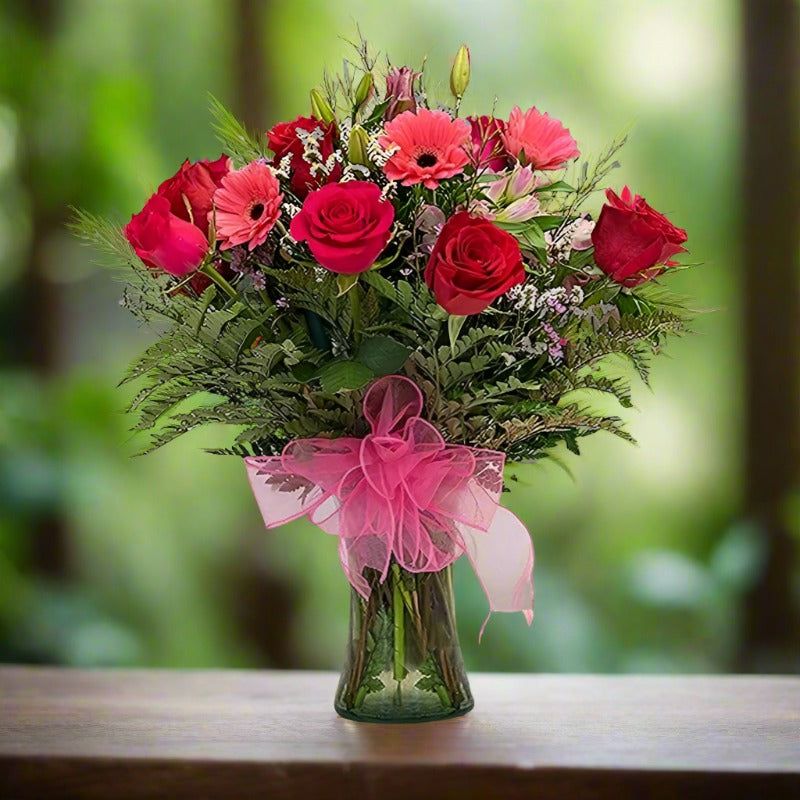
(192, 188)
(164, 241)
(632, 241)
(283, 141)
(346, 225)
(488, 147)
(473, 262)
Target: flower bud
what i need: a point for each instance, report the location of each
(400, 94)
(357, 146)
(320, 108)
(363, 90)
(459, 75)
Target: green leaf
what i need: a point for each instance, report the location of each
(455, 323)
(377, 113)
(557, 186)
(382, 354)
(338, 375)
(547, 223)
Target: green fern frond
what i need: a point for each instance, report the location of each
(234, 137)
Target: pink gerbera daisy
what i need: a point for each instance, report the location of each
(247, 206)
(430, 147)
(538, 139)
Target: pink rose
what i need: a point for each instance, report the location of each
(164, 241)
(345, 225)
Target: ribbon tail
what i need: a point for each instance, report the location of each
(502, 558)
(281, 496)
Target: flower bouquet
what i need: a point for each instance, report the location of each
(389, 300)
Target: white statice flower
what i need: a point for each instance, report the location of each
(344, 129)
(523, 297)
(312, 154)
(354, 172)
(576, 296)
(284, 167)
(389, 191)
(292, 209)
(327, 166)
(378, 154)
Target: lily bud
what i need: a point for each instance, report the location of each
(459, 75)
(320, 108)
(363, 90)
(357, 146)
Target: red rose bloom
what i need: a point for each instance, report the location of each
(488, 147)
(632, 241)
(164, 241)
(473, 262)
(345, 225)
(192, 188)
(283, 141)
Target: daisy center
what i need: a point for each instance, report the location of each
(256, 210)
(426, 160)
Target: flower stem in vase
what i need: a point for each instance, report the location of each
(399, 630)
(403, 660)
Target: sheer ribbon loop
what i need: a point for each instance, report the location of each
(402, 492)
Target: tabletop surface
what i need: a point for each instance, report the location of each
(147, 733)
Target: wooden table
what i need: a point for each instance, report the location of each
(241, 735)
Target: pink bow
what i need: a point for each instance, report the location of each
(401, 492)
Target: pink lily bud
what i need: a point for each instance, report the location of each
(400, 91)
(520, 210)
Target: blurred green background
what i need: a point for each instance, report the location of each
(645, 558)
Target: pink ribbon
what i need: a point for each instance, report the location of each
(402, 492)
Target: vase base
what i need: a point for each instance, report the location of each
(397, 717)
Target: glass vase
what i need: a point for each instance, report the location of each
(403, 661)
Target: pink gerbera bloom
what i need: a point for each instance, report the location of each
(247, 206)
(430, 147)
(538, 139)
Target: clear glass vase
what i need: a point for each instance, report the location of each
(403, 660)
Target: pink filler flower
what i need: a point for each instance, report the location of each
(431, 147)
(538, 139)
(247, 206)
